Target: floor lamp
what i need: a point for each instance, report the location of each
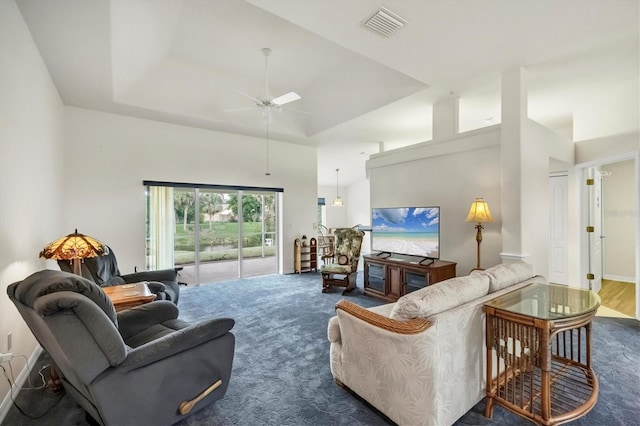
(73, 247)
(479, 213)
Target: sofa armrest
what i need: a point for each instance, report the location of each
(178, 341)
(156, 287)
(133, 321)
(333, 330)
(160, 275)
(413, 326)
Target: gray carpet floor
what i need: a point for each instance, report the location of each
(281, 370)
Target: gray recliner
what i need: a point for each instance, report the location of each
(104, 271)
(142, 366)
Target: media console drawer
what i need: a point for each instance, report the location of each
(390, 279)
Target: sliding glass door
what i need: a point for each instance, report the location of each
(258, 233)
(218, 234)
(217, 238)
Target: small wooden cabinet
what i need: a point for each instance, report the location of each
(390, 279)
(305, 256)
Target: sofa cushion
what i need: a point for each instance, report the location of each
(506, 274)
(440, 297)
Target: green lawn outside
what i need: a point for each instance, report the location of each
(223, 235)
(220, 234)
(183, 257)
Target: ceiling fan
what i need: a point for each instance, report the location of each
(267, 102)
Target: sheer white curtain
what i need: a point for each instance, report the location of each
(161, 228)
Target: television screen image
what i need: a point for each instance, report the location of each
(406, 230)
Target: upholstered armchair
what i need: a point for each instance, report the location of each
(104, 271)
(142, 366)
(343, 271)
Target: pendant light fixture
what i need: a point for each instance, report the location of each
(338, 200)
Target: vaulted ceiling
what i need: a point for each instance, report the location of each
(186, 62)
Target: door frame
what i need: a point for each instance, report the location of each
(593, 217)
(583, 241)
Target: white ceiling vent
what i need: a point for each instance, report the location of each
(385, 22)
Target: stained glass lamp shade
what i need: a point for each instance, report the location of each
(74, 247)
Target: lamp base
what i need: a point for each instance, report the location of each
(479, 227)
(77, 266)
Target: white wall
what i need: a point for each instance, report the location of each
(31, 181)
(336, 217)
(540, 148)
(359, 212)
(620, 210)
(614, 112)
(450, 174)
(113, 154)
(606, 149)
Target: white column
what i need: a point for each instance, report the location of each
(514, 116)
(445, 119)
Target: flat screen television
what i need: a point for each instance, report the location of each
(413, 231)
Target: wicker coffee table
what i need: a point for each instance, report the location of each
(539, 341)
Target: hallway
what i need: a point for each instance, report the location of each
(619, 296)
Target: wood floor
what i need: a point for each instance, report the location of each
(619, 295)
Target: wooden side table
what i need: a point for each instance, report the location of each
(539, 343)
(127, 296)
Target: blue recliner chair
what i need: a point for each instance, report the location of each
(104, 271)
(141, 366)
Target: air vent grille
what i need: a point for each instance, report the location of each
(385, 22)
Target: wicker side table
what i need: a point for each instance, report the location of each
(539, 353)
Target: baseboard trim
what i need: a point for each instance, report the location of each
(619, 278)
(22, 377)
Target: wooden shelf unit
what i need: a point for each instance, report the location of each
(305, 257)
(389, 279)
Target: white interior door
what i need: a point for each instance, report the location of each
(595, 221)
(558, 250)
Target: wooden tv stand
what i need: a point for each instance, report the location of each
(391, 278)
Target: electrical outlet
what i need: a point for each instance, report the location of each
(6, 357)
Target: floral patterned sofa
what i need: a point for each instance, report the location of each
(421, 360)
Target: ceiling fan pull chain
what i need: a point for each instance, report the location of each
(268, 173)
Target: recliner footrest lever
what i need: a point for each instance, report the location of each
(186, 406)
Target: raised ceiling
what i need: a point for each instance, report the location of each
(185, 61)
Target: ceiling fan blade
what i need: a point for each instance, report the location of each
(253, 98)
(286, 98)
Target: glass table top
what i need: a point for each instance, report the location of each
(547, 301)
